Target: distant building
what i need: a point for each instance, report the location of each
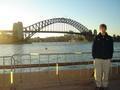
(18, 30)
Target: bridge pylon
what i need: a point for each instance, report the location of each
(18, 31)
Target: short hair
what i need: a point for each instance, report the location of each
(103, 26)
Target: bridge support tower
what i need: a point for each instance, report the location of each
(18, 31)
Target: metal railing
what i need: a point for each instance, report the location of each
(21, 63)
(43, 60)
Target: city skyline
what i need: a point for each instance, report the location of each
(89, 13)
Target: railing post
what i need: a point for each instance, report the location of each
(48, 63)
(30, 62)
(117, 68)
(57, 67)
(57, 71)
(21, 62)
(12, 74)
(3, 72)
(39, 62)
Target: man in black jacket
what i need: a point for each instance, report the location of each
(102, 52)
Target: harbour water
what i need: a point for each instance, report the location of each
(10, 49)
(50, 47)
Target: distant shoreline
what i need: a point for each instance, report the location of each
(24, 42)
(15, 42)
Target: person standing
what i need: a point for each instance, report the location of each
(102, 52)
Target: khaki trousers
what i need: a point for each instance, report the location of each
(101, 72)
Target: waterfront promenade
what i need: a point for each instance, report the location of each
(14, 76)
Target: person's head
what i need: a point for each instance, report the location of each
(103, 28)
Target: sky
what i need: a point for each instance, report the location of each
(90, 13)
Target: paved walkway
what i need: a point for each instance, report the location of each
(114, 85)
(67, 80)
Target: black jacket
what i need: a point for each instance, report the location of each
(102, 47)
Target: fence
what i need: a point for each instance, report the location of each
(13, 68)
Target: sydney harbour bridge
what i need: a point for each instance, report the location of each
(24, 33)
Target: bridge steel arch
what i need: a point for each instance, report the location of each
(29, 31)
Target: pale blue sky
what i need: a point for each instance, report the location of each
(90, 13)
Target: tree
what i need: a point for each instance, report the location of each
(95, 32)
